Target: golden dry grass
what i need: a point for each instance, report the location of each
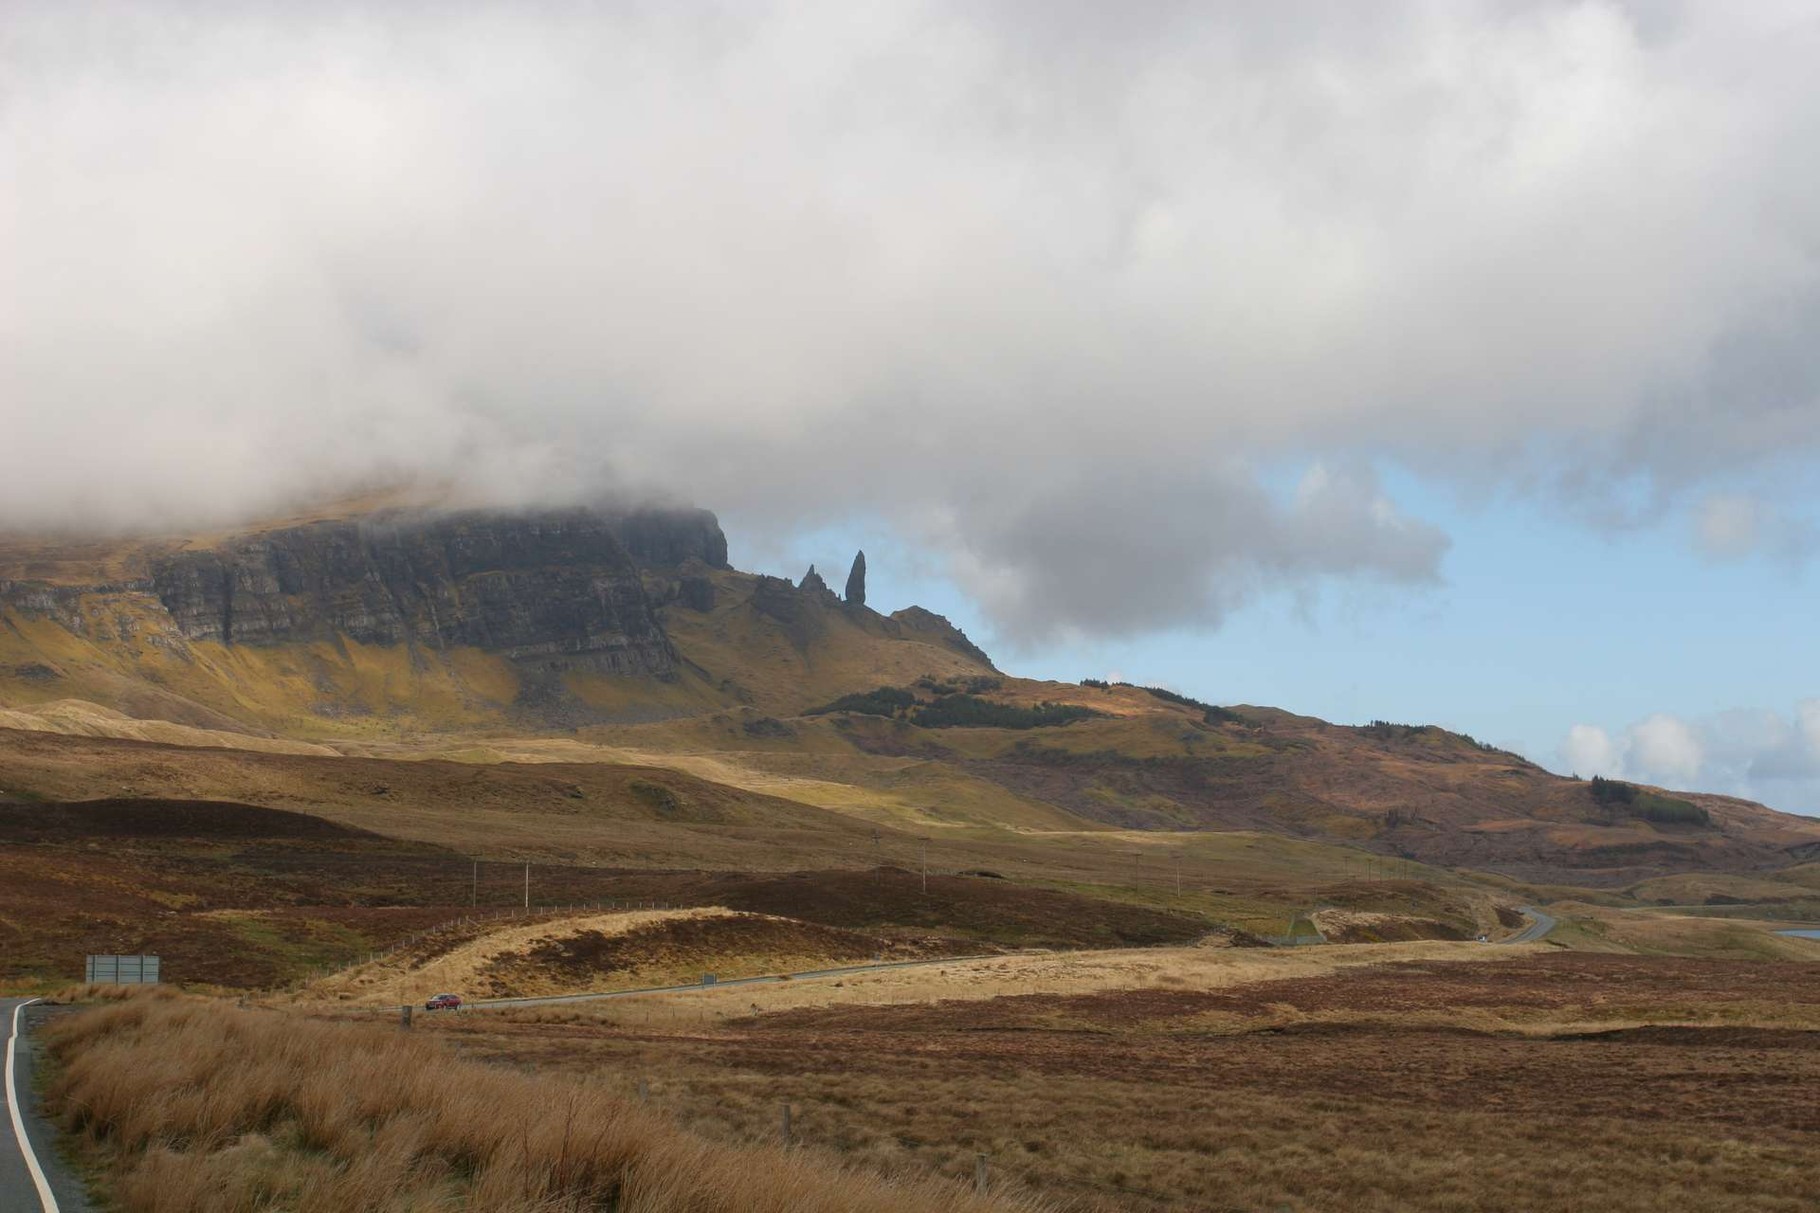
(404, 978)
(193, 1107)
(1441, 1088)
(567, 954)
(986, 978)
(1604, 929)
(76, 717)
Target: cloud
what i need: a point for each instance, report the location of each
(1666, 748)
(1754, 753)
(1734, 526)
(1043, 287)
(1127, 549)
(1589, 750)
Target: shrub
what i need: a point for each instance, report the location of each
(1168, 696)
(1611, 792)
(885, 701)
(972, 712)
(1210, 713)
(1385, 730)
(1670, 810)
(1616, 796)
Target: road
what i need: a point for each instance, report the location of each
(32, 1178)
(1540, 924)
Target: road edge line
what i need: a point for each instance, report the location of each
(45, 1197)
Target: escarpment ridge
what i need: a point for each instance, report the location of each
(435, 619)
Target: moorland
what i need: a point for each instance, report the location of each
(1150, 952)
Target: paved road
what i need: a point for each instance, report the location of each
(32, 1177)
(1540, 924)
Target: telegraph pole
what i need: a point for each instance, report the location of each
(474, 892)
(925, 847)
(527, 884)
(1178, 873)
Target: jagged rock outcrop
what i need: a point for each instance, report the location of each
(816, 588)
(790, 606)
(856, 582)
(535, 585)
(930, 626)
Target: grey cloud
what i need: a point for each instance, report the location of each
(1041, 284)
(1124, 548)
(1736, 526)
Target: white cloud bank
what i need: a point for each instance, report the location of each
(1761, 755)
(1044, 284)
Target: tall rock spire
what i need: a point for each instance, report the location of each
(856, 582)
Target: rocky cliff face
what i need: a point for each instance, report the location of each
(406, 616)
(550, 584)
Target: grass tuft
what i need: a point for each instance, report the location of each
(197, 1107)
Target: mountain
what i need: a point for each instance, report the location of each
(601, 636)
(423, 620)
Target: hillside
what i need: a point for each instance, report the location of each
(405, 621)
(511, 683)
(1132, 759)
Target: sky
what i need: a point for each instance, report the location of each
(1448, 361)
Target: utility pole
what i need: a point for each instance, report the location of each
(527, 884)
(474, 891)
(925, 847)
(1178, 873)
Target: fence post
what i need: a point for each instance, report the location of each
(979, 1173)
(785, 1125)
(644, 1091)
(404, 1017)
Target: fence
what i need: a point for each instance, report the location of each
(122, 970)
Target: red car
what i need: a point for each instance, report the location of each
(443, 1002)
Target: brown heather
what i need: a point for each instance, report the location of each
(198, 1107)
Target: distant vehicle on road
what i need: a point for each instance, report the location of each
(443, 1002)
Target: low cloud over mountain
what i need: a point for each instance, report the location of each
(1083, 300)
